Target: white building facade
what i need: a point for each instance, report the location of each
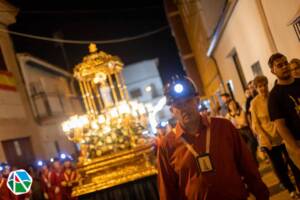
(28, 133)
(144, 84)
(51, 99)
(239, 36)
(255, 30)
(19, 139)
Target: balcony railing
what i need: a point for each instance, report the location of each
(53, 105)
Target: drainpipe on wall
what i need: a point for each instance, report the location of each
(266, 25)
(218, 71)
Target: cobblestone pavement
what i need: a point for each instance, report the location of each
(277, 191)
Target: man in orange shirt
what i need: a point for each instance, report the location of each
(5, 193)
(205, 158)
(45, 181)
(55, 180)
(69, 178)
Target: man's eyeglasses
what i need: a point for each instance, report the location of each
(282, 64)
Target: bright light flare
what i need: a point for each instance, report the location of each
(148, 88)
(63, 156)
(164, 123)
(178, 88)
(40, 163)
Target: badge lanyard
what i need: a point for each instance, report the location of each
(192, 150)
(203, 161)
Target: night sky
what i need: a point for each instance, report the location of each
(88, 21)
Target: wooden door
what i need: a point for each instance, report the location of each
(18, 152)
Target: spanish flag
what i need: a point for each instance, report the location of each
(7, 81)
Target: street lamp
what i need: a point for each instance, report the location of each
(148, 88)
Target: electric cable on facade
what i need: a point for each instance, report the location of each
(119, 40)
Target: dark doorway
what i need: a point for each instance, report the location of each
(18, 152)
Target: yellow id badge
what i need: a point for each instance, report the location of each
(204, 163)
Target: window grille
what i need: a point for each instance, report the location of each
(296, 26)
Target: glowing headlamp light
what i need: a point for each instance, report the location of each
(200, 106)
(163, 124)
(63, 156)
(70, 157)
(178, 88)
(40, 163)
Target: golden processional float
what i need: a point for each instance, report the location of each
(114, 148)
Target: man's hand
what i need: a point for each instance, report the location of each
(64, 183)
(46, 195)
(294, 153)
(57, 190)
(285, 133)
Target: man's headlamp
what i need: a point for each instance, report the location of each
(40, 163)
(179, 88)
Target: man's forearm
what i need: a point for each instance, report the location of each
(285, 133)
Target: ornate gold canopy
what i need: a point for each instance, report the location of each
(113, 144)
